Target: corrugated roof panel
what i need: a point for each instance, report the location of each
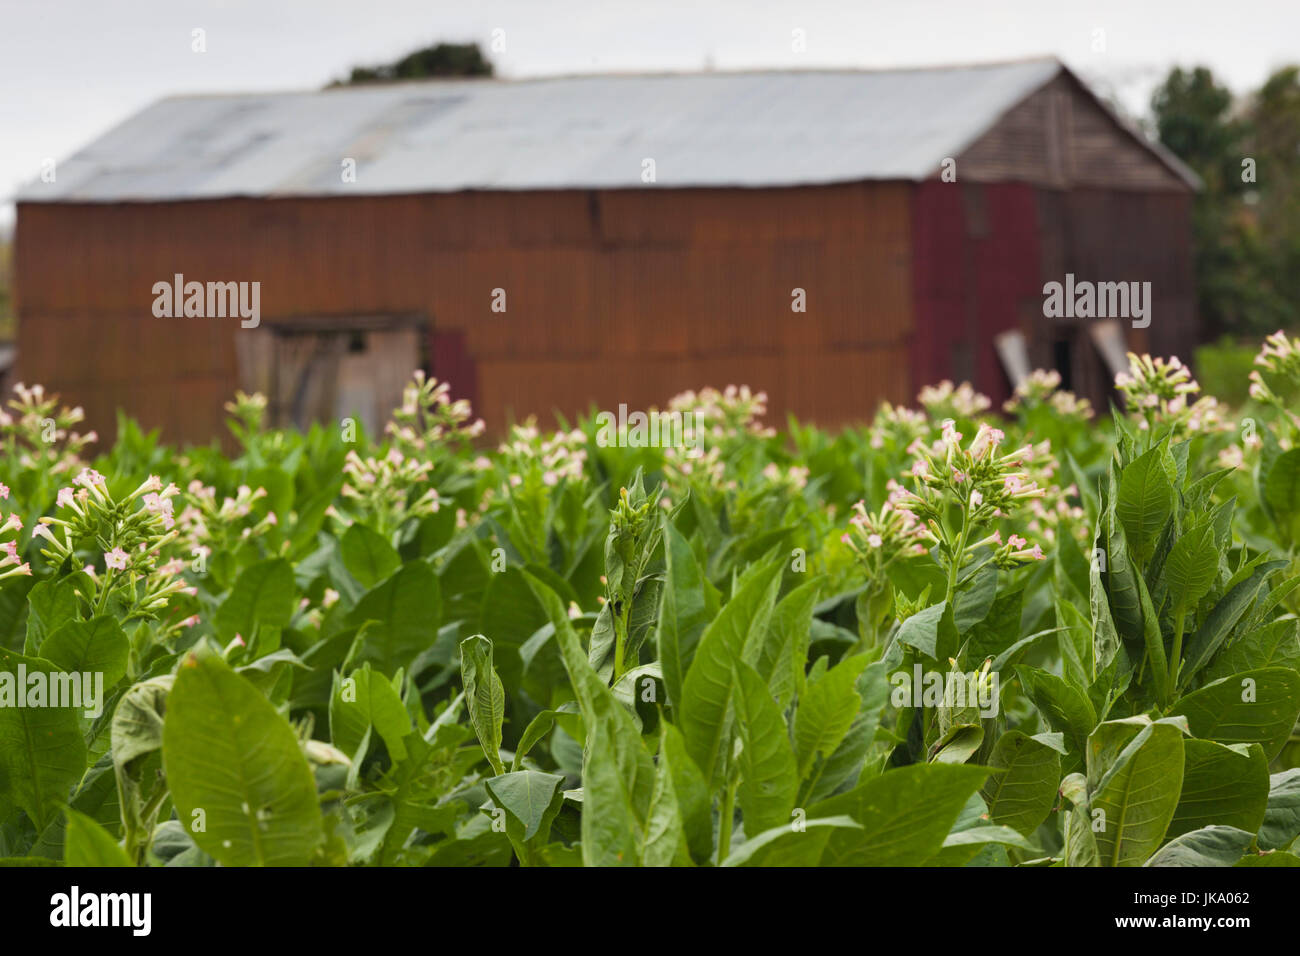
(712, 129)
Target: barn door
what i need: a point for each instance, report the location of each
(326, 375)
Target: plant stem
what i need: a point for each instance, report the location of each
(958, 553)
(728, 822)
(1177, 657)
(620, 639)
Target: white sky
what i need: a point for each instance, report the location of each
(70, 69)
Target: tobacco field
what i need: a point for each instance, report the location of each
(959, 634)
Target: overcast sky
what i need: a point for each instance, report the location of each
(70, 69)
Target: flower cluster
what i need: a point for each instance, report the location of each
(552, 457)
(389, 490)
(948, 401)
(1280, 359)
(880, 539)
(1055, 511)
(897, 427)
(248, 410)
(1280, 356)
(534, 471)
(1043, 387)
(709, 469)
(11, 564)
(206, 525)
(725, 415)
(429, 418)
(794, 478)
(39, 436)
(1159, 394)
(983, 484)
(130, 534)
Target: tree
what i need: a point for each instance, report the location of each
(442, 59)
(1246, 220)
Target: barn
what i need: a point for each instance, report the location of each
(835, 238)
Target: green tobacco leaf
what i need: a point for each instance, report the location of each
(1080, 848)
(1254, 707)
(362, 700)
(1274, 858)
(1208, 846)
(1154, 641)
(709, 689)
(1121, 576)
(484, 696)
(1064, 706)
(604, 638)
(614, 816)
(240, 783)
(963, 845)
(906, 815)
(537, 728)
(998, 631)
(618, 773)
(1192, 566)
(405, 610)
(768, 781)
(1281, 491)
(931, 631)
(264, 595)
(850, 758)
(138, 720)
(89, 844)
(530, 798)
(663, 844)
(1276, 644)
(97, 647)
(1222, 619)
(1146, 499)
(825, 714)
(958, 743)
(50, 605)
(367, 555)
(684, 613)
(510, 616)
(1281, 824)
(42, 753)
(692, 791)
(1135, 775)
(784, 656)
(1022, 795)
(1221, 785)
(975, 599)
(786, 845)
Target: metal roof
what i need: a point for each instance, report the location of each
(706, 129)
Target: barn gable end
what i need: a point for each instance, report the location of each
(1061, 136)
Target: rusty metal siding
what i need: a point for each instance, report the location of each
(613, 296)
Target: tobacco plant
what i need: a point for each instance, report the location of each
(953, 635)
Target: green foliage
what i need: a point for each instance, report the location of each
(560, 653)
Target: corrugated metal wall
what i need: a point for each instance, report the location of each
(624, 296)
(983, 254)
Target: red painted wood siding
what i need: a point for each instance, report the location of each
(975, 258)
